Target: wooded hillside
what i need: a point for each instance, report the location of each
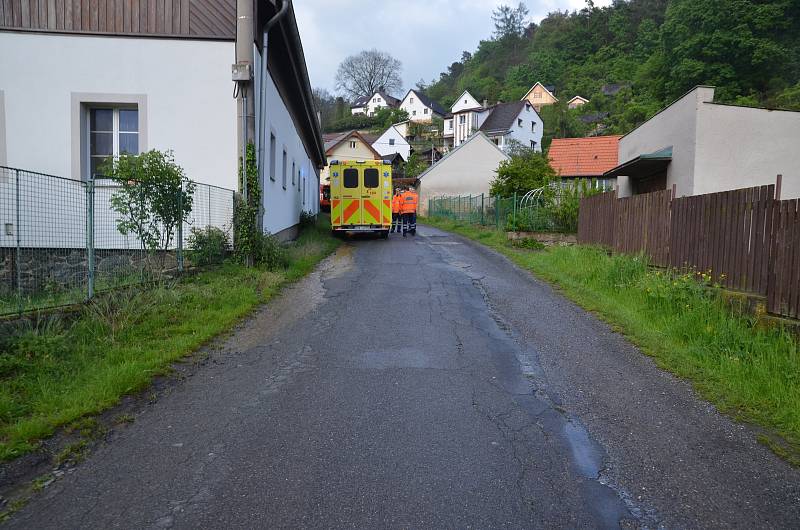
(749, 49)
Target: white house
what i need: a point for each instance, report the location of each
(466, 170)
(392, 141)
(466, 116)
(369, 105)
(503, 123)
(704, 147)
(420, 107)
(511, 122)
(165, 83)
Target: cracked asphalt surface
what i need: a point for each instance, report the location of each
(425, 383)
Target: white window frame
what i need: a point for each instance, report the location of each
(80, 102)
(115, 132)
(353, 144)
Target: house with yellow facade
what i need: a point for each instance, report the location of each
(540, 95)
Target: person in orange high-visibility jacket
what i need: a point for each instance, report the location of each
(396, 200)
(408, 209)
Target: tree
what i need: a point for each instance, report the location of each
(509, 21)
(387, 116)
(325, 104)
(414, 166)
(154, 196)
(526, 170)
(366, 73)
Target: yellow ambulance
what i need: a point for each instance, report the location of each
(361, 196)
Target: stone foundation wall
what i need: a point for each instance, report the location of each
(59, 269)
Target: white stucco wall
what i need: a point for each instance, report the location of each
(739, 147)
(467, 170)
(674, 126)
(416, 109)
(524, 134)
(282, 205)
(384, 147)
(719, 147)
(466, 101)
(186, 85)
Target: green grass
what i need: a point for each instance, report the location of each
(55, 370)
(746, 369)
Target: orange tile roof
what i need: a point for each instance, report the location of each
(584, 157)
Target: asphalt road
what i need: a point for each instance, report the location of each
(425, 383)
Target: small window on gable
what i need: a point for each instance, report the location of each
(413, 112)
(533, 126)
(519, 122)
(391, 141)
(537, 95)
(352, 144)
(293, 168)
(411, 100)
(425, 111)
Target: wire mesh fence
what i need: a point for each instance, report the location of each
(62, 240)
(551, 212)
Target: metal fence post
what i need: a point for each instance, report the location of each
(90, 237)
(483, 218)
(19, 250)
(180, 228)
(514, 215)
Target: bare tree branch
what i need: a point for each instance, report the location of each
(366, 73)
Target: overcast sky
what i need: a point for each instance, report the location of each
(425, 35)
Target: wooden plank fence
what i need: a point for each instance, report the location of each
(746, 239)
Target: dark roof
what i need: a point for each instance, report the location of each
(363, 100)
(551, 89)
(287, 65)
(612, 88)
(594, 117)
(360, 102)
(503, 116)
(644, 165)
(370, 137)
(428, 102)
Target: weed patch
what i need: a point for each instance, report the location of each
(56, 373)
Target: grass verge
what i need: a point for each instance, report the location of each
(747, 370)
(55, 370)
